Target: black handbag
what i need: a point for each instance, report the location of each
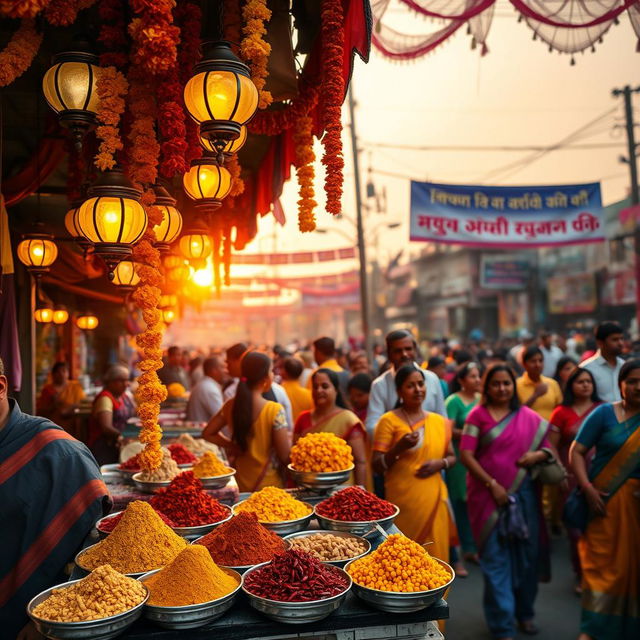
(575, 514)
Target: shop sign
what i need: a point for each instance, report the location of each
(619, 288)
(572, 294)
(504, 272)
(504, 217)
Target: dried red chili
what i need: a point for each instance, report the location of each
(132, 464)
(242, 541)
(355, 504)
(181, 454)
(187, 503)
(296, 576)
(108, 525)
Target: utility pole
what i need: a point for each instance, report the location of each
(362, 253)
(626, 92)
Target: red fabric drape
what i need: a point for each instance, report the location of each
(574, 14)
(447, 10)
(47, 157)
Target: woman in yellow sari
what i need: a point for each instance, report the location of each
(260, 441)
(330, 416)
(410, 448)
(609, 550)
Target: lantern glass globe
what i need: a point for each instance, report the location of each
(37, 252)
(71, 86)
(60, 316)
(43, 314)
(87, 322)
(111, 220)
(195, 246)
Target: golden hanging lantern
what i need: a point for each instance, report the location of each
(221, 96)
(37, 252)
(168, 300)
(169, 229)
(112, 218)
(172, 261)
(69, 88)
(60, 315)
(43, 314)
(87, 322)
(125, 275)
(195, 245)
(169, 315)
(207, 183)
(179, 274)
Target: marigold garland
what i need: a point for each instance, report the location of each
(19, 52)
(113, 33)
(111, 87)
(254, 49)
(305, 157)
(62, 13)
(22, 8)
(154, 35)
(332, 34)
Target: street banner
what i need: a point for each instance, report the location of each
(504, 271)
(506, 217)
(302, 257)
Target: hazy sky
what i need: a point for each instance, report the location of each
(518, 94)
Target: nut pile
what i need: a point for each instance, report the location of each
(103, 593)
(326, 546)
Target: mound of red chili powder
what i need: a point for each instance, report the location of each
(187, 503)
(296, 576)
(355, 505)
(242, 541)
(108, 525)
(132, 464)
(181, 454)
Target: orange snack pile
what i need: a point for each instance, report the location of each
(321, 452)
(209, 466)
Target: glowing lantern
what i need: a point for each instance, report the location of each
(171, 226)
(69, 88)
(221, 96)
(60, 315)
(207, 183)
(112, 218)
(87, 322)
(169, 315)
(172, 261)
(180, 274)
(37, 252)
(232, 146)
(43, 314)
(168, 300)
(125, 275)
(195, 245)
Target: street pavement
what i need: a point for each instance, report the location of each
(557, 607)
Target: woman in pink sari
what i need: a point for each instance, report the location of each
(501, 440)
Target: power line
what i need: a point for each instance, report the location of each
(511, 148)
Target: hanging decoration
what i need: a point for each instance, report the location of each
(113, 33)
(169, 229)
(63, 13)
(37, 252)
(332, 34)
(254, 49)
(112, 88)
(22, 8)
(19, 53)
(305, 157)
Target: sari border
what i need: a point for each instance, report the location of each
(470, 430)
(626, 468)
(497, 430)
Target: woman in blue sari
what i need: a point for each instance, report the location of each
(609, 549)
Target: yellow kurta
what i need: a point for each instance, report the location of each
(545, 404)
(299, 396)
(424, 512)
(327, 364)
(257, 467)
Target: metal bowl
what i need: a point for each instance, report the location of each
(78, 560)
(240, 569)
(285, 527)
(185, 466)
(339, 534)
(104, 534)
(295, 612)
(149, 487)
(320, 480)
(402, 602)
(191, 616)
(359, 528)
(101, 629)
(217, 482)
(127, 474)
(202, 529)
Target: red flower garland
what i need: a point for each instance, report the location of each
(62, 13)
(19, 53)
(154, 35)
(332, 33)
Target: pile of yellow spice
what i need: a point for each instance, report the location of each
(272, 504)
(210, 466)
(140, 542)
(321, 452)
(399, 564)
(192, 578)
(103, 593)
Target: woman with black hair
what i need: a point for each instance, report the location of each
(609, 550)
(564, 369)
(260, 440)
(411, 448)
(330, 415)
(580, 399)
(501, 441)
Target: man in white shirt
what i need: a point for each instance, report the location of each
(401, 350)
(206, 397)
(606, 363)
(551, 354)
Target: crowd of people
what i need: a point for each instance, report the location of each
(470, 441)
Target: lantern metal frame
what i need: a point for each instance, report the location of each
(78, 121)
(172, 218)
(202, 202)
(113, 184)
(127, 284)
(233, 146)
(217, 56)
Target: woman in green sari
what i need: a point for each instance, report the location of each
(465, 388)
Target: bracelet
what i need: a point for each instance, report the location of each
(490, 483)
(446, 463)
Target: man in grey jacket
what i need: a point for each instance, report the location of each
(401, 350)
